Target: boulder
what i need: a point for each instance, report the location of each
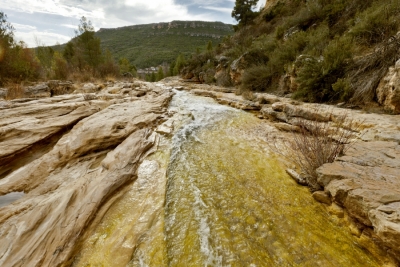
(39, 90)
(322, 196)
(89, 88)
(60, 87)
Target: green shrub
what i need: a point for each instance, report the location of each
(377, 23)
(256, 78)
(316, 76)
(59, 67)
(343, 87)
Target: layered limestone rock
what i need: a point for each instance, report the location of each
(366, 182)
(97, 153)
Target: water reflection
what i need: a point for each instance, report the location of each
(9, 198)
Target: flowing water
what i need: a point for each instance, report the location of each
(214, 195)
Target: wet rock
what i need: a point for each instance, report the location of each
(386, 222)
(322, 196)
(366, 182)
(336, 210)
(166, 128)
(297, 177)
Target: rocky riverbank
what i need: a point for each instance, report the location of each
(361, 186)
(71, 156)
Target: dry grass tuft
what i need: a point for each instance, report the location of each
(15, 90)
(315, 144)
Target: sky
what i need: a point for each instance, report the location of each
(48, 22)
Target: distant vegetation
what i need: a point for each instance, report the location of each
(153, 44)
(16, 61)
(107, 53)
(319, 50)
(81, 59)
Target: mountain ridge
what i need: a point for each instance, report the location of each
(146, 45)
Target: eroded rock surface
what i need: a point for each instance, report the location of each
(84, 171)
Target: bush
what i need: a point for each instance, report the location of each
(317, 143)
(376, 23)
(316, 76)
(256, 78)
(15, 90)
(59, 67)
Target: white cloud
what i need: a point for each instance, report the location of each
(70, 26)
(219, 9)
(51, 7)
(44, 38)
(23, 27)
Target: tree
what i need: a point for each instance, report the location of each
(44, 54)
(108, 67)
(59, 66)
(160, 74)
(88, 50)
(6, 31)
(153, 77)
(17, 62)
(69, 52)
(209, 46)
(180, 62)
(171, 68)
(124, 65)
(244, 13)
(6, 42)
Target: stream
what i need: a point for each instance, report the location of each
(213, 194)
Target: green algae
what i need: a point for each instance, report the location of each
(228, 202)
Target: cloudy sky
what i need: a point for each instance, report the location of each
(51, 21)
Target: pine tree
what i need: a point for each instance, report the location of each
(243, 12)
(88, 49)
(153, 77)
(209, 46)
(180, 62)
(160, 74)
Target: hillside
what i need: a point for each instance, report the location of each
(317, 51)
(152, 44)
